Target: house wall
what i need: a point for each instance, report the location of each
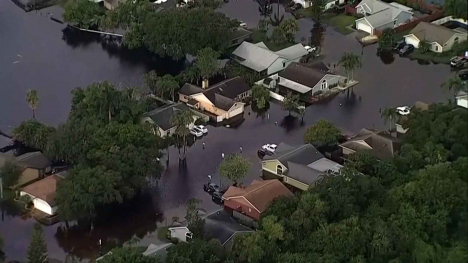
(330, 80)
(277, 66)
(304, 3)
(28, 175)
(363, 25)
(347, 151)
(403, 18)
(462, 102)
(448, 46)
(235, 110)
(43, 206)
(179, 233)
(248, 211)
(271, 165)
(205, 104)
(411, 39)
(295, 183)
(183, 98)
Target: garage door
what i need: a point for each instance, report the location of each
(362, 25)
(413, 41)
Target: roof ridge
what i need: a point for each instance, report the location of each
(294, 150)
(268, 182)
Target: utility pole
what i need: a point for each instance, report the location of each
(1, 188)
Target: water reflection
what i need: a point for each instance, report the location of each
(387, 57)
(289, 123)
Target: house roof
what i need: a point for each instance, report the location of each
(303, 173)
(379, 143)
(259, 194)
(35, 160)
(222, 227)
(189, 89)
(5, 141)
(258, 57)
(303, 75)
(44, 189)
(325, 165)
(162, 116)
(304, 154)
(7, 158)
(432, 33)
(240, 32)
(372, 6)
(255, 56)
(380, 12)
(319, 66)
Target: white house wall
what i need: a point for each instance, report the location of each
(403, 18)
(331, 80)
(451, 41)
(237, 109)
(276, 66)
(412, 40)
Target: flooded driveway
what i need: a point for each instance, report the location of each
(54, 62)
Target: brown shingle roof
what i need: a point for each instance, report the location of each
(258, 193)
(432, 33)
(44, 189)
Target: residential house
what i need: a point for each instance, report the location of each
(182, 233)
(161, 117)
(439, 38)
(462, 99)
(379, 15)
(259, 58)
(329, 3)
(402, 119)
(298, 166)
(42, 194)
(239, 35)
(34, 165)
(306, 81)
(221, 101)
(379, 144)
(248, 203)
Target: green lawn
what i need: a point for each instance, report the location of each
(430, 56)
(162, 233)
(341, 23)
(258, 36)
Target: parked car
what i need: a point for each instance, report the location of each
(458, 62)
(217, 197)
(310, 49)
(262, 153)
(210, 188)
(296, 7)
(406, 50)
(201, 128)
(196, 128)
(196, 132)
(243, 24)
(405, 110)
(399, 45)
(269, 147)
(463, 74)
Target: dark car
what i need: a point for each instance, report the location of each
(458, 62)
(296, 7)
(399, 45)
(217, 197)
(406, 50)
(210, 188)
(463, 74)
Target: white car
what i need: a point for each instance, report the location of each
(405, 110)
(269, 147)
(196, 132)
(310, 49)
(201, 128)
(243, 24)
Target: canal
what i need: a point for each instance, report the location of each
(37, 53)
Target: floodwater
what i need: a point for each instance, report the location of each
(54, 62)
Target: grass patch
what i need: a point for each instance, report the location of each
(162, 233)
(341, 23)
(431, 56)
(258, 36)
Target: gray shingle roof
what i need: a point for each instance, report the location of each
(162, 116)
(304, 154)
(432, 33)
(379, 144)
(35, 160)
(222, 227)
(303, 173)
(5, 141)
(254, 56)
(292, 52)
(189, 89)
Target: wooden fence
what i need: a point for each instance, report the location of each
(436, 15)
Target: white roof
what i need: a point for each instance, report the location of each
(401, 7)
(294, 85)
(292, 52)
(381, 13)
(372, 6)
(325, 164)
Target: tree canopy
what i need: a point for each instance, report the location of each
(456, 8)
(83, 13)
(260, 95)
(10, 174)
(37, 251)
(234, 167)
(350, 61)
(128, 255)
(322, 133)
(387, 39)
(33, 134)
(291, 102)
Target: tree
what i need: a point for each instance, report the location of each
(37, 251)
(150, 79)
(290, 28)
(279, 36)
(390, 116)
(182, 119)
(276, 21)
(424, 46)
(322, 133)
(265, 10)
(85, 14)
(317, 34)
(197, 251)
(455, 84)
(302, 111)
(263, 25)
(350, 62)
(291, 102)
(456, 8)
(169, 85)
(387, 39)
(260, 95)
(10, 174)
(234, 167)
(128, 254)
(317, 8)
(33, 100)
(207, 63)
(33, 134)
(195, 223)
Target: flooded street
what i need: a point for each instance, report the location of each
(54, 62)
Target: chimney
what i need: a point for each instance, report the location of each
(205, 83)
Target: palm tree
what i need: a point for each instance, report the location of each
(33, 100)
(455, 84)
(111, 97)
(350, 62)
(389, 115)
(182, 119)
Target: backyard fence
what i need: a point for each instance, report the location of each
(436, 15)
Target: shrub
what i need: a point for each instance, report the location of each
(200, 121)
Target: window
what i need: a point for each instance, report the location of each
(279, 169)
(436, 48)
(284, 64)
(323, 85)
(455, 40)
